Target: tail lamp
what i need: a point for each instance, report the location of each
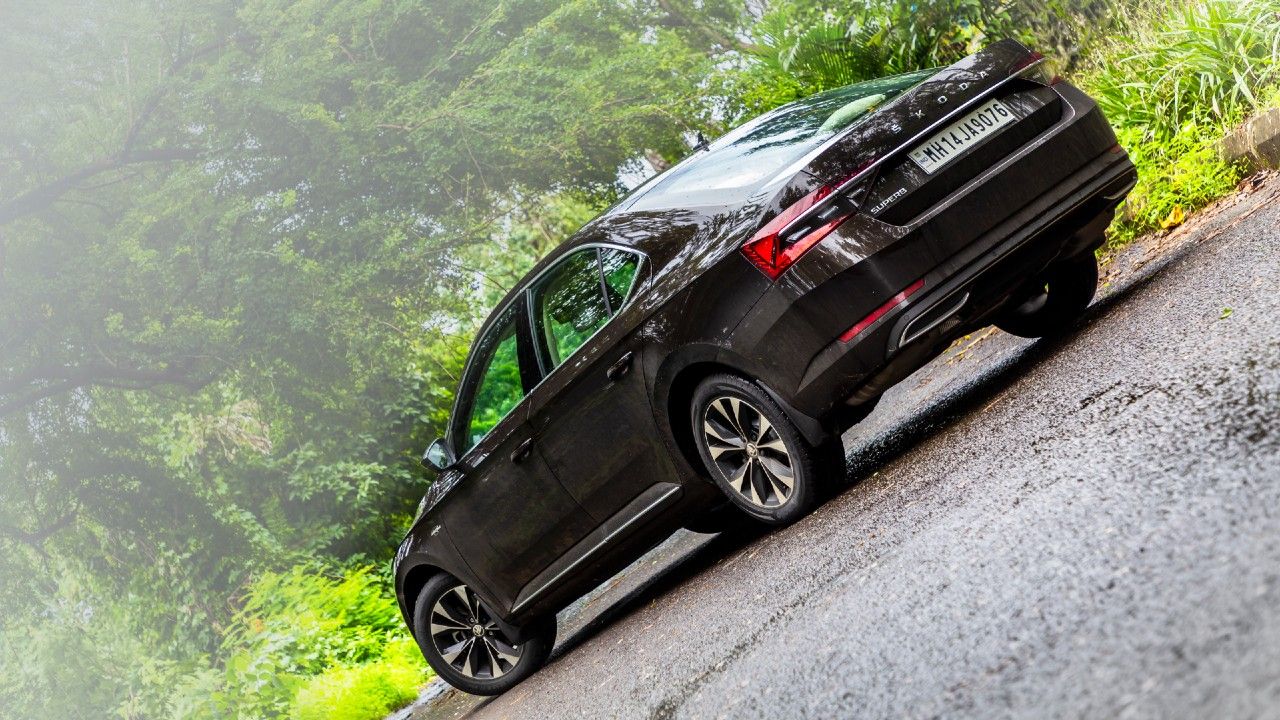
(772, 252)
(794, 231)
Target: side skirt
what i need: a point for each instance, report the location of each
(622, 524)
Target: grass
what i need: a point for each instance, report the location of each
(1174, 79)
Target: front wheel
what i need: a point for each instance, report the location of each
(756, 455)
(1052, 302)
(466, 647)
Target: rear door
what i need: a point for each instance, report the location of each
(508, 515)
(591, 413)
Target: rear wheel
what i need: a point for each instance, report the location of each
(465, 645)
(1051, 303)
(755, 453)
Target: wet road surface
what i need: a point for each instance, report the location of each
(1082, 527)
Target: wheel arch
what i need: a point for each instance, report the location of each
(681, 374)
(675, 406)
(416, 578)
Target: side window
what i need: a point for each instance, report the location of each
(579, 296)
(499, 388)
(619, 268)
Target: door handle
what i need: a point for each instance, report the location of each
(522, 450)
(617, 370)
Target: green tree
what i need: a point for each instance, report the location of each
(238, 275)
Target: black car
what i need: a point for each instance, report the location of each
(696, 351)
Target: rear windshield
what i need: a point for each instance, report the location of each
(750, 154)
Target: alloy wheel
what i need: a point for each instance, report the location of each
(468, 638)
(749, 451)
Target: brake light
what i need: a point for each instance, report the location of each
(879, 312)
(767, 250)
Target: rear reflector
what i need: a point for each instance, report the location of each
(879, 312)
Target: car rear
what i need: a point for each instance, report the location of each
(920, 221)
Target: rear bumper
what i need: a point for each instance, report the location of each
(1050, 199)
(953, 305)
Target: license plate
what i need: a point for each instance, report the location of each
(947, 145)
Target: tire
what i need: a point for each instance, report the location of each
(482, 664)
(1054, 301)
(749, 459)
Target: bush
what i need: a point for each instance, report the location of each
(362, 692)
(1204, 61)
(1174, 80)
(310, 642)
(1175, 177)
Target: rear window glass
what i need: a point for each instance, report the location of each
(753, 152)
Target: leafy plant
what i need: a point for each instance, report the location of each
(304, 639)
(362, 692)
(1176, 176)
(1174, 79)
(1204, 62)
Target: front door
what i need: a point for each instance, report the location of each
(508, 515)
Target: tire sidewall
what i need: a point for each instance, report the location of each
(534, 651)
(804, 492)
(1071, 285)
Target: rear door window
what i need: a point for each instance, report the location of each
(579, 295)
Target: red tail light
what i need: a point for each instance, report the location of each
(879, 312)
(768, 251)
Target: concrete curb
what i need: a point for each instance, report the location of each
(1257, 142)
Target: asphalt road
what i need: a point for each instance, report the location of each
(1087, 527)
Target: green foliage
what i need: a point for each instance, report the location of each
(1175, 176)
(362, 692)
(1201, 62)
(305, 637)
(241, 261)
(1174, 79)
(800, 47)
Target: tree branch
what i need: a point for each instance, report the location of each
(37, 199)
(50, 384)
(35, 539)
